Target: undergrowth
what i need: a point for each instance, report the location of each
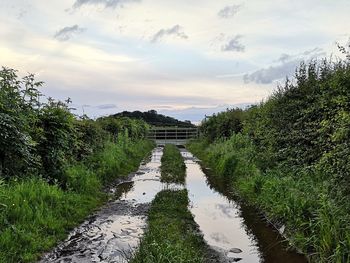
(35, 215)
(173, 168)
(172, 234)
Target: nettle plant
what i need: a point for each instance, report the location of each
(36, 135)
(19, 111)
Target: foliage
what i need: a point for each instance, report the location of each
(122, 125)
(53, 165)
(172, 234)
(35, 215)
(291, 157)
(223, 124)
(118, 158)
(19, 102)
(173, 168)
(57, 140)
(153, 118)
(43, 137)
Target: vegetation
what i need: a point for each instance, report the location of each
(172, 234)
(173, 168)
(290, 156)
(53, 166)
(154, 118)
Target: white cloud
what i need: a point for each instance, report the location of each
(105, 3)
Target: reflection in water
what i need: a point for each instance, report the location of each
(113, 233)
(235, 230)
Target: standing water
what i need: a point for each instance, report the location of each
(237, 232)
(114, 232)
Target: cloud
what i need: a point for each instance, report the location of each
(229, 11)
(68, 32)
(107, 106)
(105, 3)
(175, 31)
(286, 65)
(233, 45)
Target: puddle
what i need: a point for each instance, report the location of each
(236, 231)
(114, 232)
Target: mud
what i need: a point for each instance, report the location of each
(113, 233)
(233, 231)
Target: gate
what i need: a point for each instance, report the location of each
(172, 135)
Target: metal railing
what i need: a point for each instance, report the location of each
(172, 135)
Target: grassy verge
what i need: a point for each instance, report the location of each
(173, 168)
(172, 234)
(316, 218)
(35, 215)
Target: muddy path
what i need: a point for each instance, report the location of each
(112, 234)
(234, 232)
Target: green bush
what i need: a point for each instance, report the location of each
(291, 158)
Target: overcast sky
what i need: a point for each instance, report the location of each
(183, 58)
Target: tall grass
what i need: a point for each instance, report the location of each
(35, 215)
(173, 168)
(172, 236)
(315, 215)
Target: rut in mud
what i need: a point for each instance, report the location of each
(113, 233)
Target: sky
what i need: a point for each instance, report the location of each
(182, 58)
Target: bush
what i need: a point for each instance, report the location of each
(292, 158)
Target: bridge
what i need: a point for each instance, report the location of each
(172, 135)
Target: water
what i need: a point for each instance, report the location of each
(113, 233)
(234, 230)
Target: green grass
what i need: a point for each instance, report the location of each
(35, 215)
(173, 168)
(316, 216)
(172, 234)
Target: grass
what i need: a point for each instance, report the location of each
(35, 215)
(305, 201)
(173, 168)
(172, 234)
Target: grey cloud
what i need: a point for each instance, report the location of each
(175, 31)
(197, 114)
(233, 45)
(107, 106)
(286, 66)
(229, 11)
(283, 58)
(268, 75)
(105, 3)
(68, 32)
